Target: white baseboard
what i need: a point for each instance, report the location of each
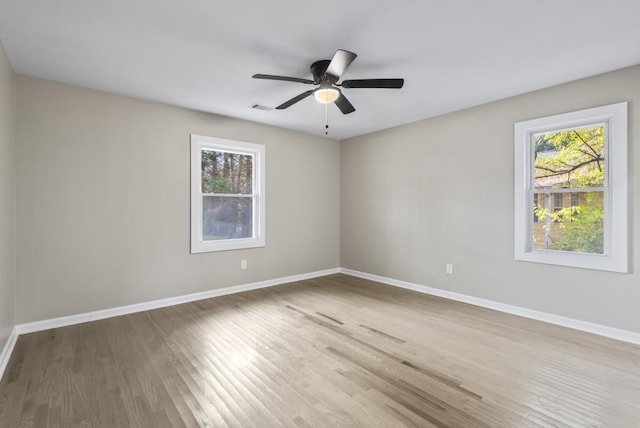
(155, 304)
(614, 333)
(589, 327)
(5, 354)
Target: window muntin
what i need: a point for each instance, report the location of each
(227, 194)
(571, 181)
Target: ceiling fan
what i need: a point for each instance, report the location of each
(326, 74)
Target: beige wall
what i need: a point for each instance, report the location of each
(7, 201)
(441, 191)
(103, 202)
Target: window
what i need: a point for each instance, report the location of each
(575, 199)
(571, 189)
(558, 202)
(558, 205)
(227, 194)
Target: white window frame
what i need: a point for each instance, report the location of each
(615, 257)
(198, 244)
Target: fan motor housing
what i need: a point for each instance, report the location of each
(318, 70)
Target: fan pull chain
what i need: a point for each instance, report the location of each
(326, 117)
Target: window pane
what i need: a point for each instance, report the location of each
(226, 217)
(568, 159)
(226, 172)
(575, 199)
(576, 226)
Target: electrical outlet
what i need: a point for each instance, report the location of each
(449, 269)
(243, 264)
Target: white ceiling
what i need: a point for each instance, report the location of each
(201, 54)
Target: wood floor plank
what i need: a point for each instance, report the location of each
(330, 351)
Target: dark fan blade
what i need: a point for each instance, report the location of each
(295, 99)
(344, 105)
(285, 78)
(374, 83)
(339, 63)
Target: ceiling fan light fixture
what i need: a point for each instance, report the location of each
(326, 75)
(326, 95)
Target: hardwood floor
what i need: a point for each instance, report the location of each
(332, 351)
